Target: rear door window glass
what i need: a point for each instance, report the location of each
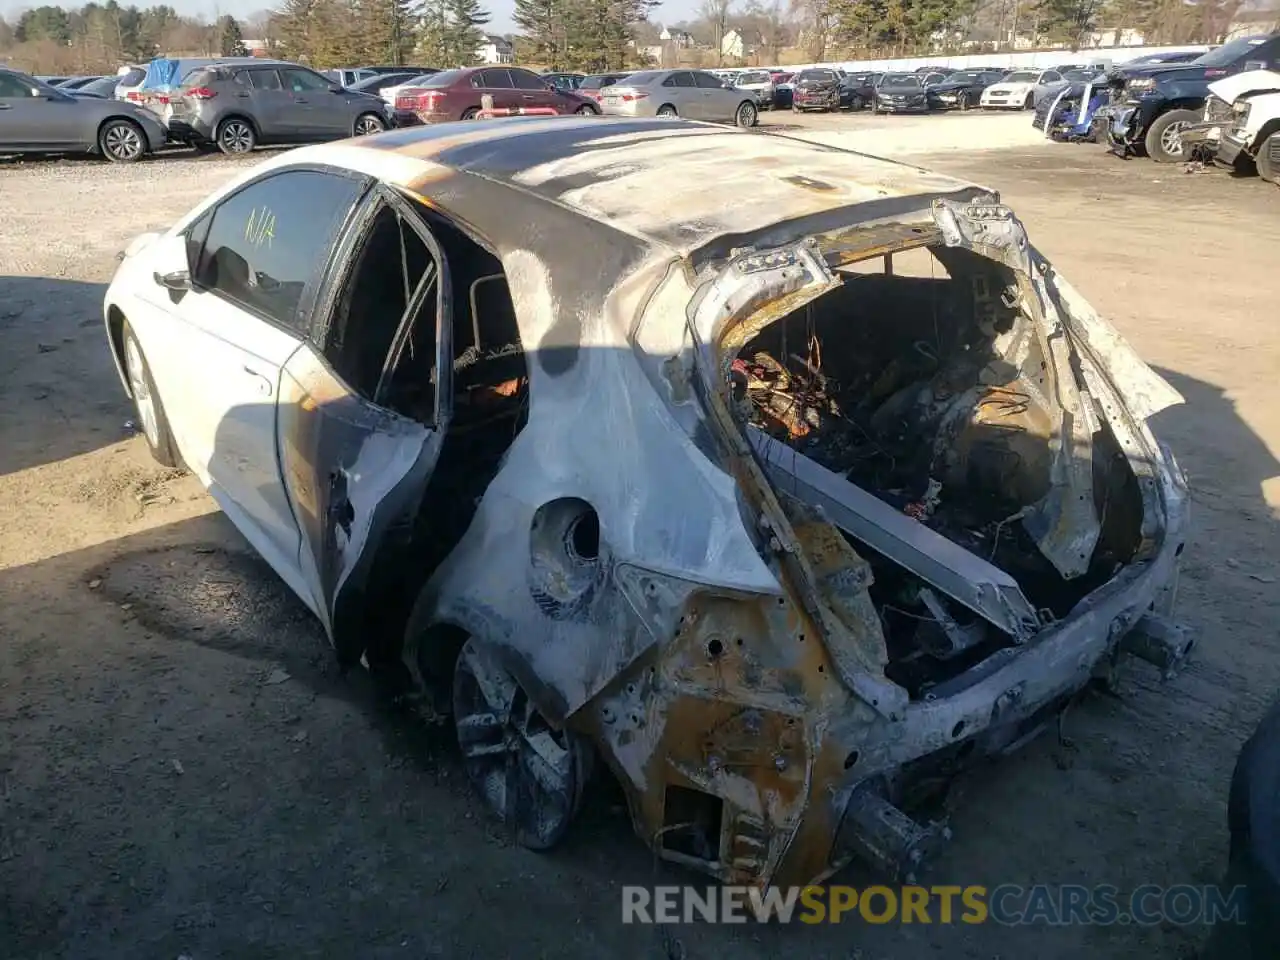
(267, 243)
(264, 79)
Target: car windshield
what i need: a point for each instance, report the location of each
(758, 76)
(1079, 75)
(445, 78)
(1022, 77)
(900, 80)
(815, 76)
(595, 83)
(132, 78)
(967, 76)
(1229, 52)
(645, 77)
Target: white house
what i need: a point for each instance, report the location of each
(495, 50)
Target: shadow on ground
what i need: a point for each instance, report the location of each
(59, 393)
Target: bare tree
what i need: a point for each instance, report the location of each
(716, 13)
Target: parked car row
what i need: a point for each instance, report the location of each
(235, 104)
(1223, 105)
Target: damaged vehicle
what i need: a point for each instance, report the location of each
(785, 501)
(1241, 125)
(1151, 105)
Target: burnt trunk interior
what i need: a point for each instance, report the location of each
(896, 383)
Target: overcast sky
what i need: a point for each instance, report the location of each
(671, 11)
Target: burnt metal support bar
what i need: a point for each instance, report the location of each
(968, 579)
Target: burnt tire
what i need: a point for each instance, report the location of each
(531, 776)
(122, 141)
(235, 136)
(1268, 159)
(1162, 140)
(152, 422)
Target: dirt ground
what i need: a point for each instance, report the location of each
(184, 773)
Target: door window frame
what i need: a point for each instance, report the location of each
(304, 315)
(330, 297)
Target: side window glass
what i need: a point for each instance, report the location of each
(269, 241)
(392, 273)
(497, 80)
(684, 79)
(706, 80)
(303, 81)
(670, 81)
(11, 87)
(241, 77)
(524, 80)
(264, 79)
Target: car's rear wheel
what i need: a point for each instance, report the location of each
(667, 110)
(369, 123)
(122, 141)
(530, 775)
(1030, 102)
(586, 110)
(1268, 159)
(236, 136)
(470, 113)
(1164, 136)
(964, 101)
(146, 401)
(746, 115)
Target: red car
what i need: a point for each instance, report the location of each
(455, 95)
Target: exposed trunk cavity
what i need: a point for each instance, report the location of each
(930, 407)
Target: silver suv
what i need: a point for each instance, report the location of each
(237, 106)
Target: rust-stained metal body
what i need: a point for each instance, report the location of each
(740, 638)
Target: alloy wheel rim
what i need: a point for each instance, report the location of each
(237, 137)
(367, 125)
(746, 114)
(1171, 138)
(123, 142)
(518, 763)
(142, 398)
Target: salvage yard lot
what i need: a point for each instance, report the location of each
(182, 771)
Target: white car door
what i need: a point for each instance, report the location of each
(255, 261)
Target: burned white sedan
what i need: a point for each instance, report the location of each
(636, 439)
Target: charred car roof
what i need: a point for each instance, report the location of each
(672, 183)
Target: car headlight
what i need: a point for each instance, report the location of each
(1141, 84)
(1240, 119)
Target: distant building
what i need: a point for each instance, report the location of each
(1114, 37)
(495, 50)
(740, 43)
(681, 39)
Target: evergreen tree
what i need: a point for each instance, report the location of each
(541, 23)
(230, 39)
(462, 34)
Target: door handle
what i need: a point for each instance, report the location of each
(243, 96)
(528, 96)
(261, 381)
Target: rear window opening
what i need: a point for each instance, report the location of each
(490, 382)
(924, 383)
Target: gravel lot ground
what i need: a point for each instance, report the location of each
(182, 772)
